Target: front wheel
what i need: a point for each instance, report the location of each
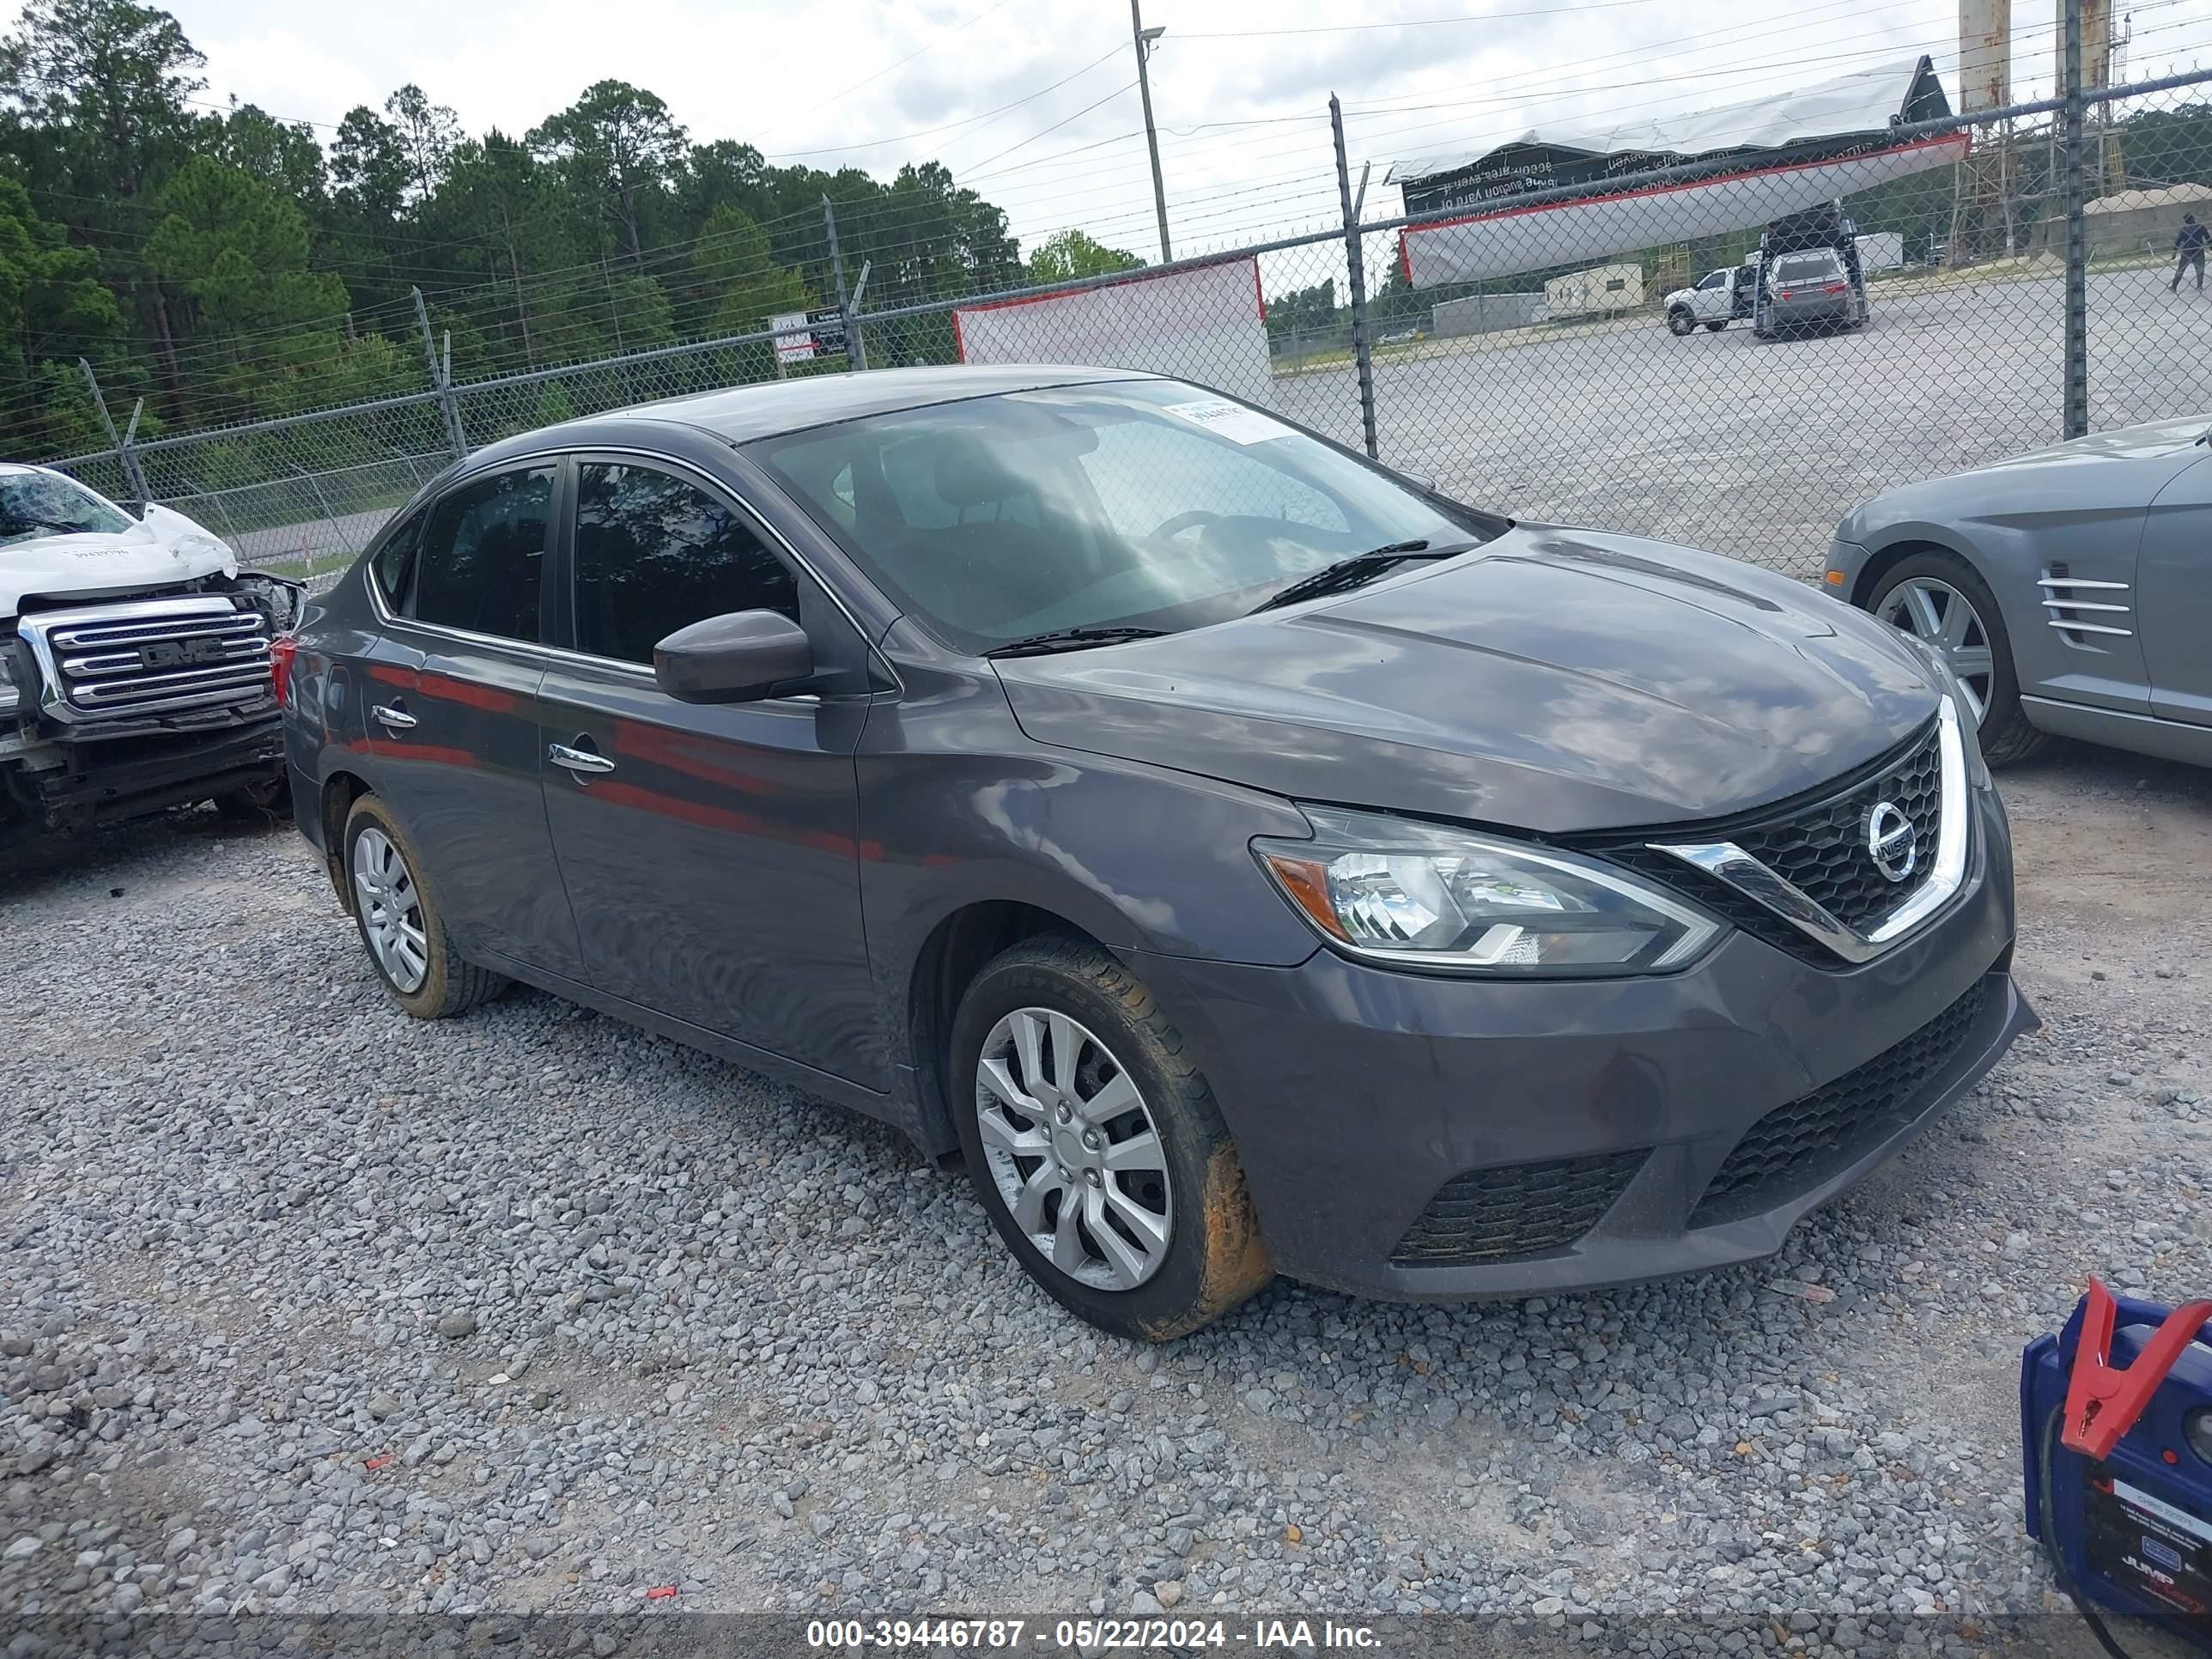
(1941, 599)
(1094, 1142)
(1680, 322)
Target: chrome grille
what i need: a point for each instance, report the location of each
(1822, 850)
(1802, 876)
(149, 656)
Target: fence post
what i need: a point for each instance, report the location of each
(1355, 263)
(449, 409)
(128, 461)
(2077, 249)
(856, 352)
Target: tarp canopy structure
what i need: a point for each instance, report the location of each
(1771, 156)
(1850, 109)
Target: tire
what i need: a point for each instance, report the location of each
(1715, 328)
(447, 983)
(1680, 322)
(2006, 737)
(1188, 1182)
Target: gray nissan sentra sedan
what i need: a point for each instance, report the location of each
(1251, 861)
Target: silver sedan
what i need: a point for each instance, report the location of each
(2069, 588)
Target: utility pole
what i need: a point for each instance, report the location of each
(2076, 410)
(1143, 38)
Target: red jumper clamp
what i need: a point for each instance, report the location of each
(2102, 1403)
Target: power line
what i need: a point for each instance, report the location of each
(877, 144)
(930, 45)
(1575, 8)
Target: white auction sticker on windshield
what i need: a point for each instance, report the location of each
(1234, 421)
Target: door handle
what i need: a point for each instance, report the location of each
(582, 762)
(394, 719)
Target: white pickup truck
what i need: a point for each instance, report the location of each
(1711, 301)
(135, 662)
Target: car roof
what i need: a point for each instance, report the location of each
(772, 408)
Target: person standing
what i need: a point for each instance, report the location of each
(2189, 250)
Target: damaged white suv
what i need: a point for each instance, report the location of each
(135, 662)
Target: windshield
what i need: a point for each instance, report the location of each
(44, 504)
(1139, 504)
(1806, 267)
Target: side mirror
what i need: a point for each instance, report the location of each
(741, 656)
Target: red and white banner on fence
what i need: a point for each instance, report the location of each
(1207, 322)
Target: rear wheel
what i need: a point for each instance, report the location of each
(403, 931)
(1093, 1141)
(1941, 599)
(1715, 328)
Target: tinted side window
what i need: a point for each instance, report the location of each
(654, 554)
(483, 556)
(394, 557)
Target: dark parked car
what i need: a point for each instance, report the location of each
(2069, 588)
(1812, 291)
(1251, 861)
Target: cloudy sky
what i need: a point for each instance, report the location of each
(1034, 104)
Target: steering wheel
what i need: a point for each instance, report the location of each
(1180, 522)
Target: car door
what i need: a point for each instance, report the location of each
(449, 689)
(2173, 591)
(708, 850)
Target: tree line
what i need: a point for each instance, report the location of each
(226, 264)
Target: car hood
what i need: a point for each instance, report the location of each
(1553, 680)
(2106, 472)
(165, 547)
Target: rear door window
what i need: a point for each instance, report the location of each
(391, 560)
(482, 562)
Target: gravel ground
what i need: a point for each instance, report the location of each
(309, 1308)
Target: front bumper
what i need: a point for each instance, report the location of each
(102, 782)
(1357, 1094)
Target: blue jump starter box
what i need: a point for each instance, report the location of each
(2117, 1407)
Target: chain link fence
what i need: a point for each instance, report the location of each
(1726, 354)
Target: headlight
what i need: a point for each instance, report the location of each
(1422, 896)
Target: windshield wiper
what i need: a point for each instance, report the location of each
(1071, 639)
(1347, 573)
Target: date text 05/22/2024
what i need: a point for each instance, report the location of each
(1090, 1636)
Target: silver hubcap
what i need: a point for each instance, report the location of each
(390, 910)
(1073, 1151)
(1939, 614)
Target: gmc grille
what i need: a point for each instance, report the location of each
(149, 656)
